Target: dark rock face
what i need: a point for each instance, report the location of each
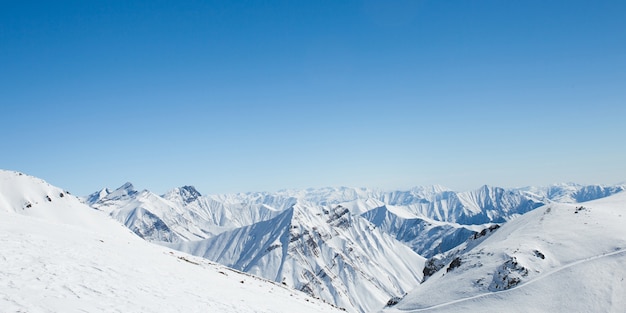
(189, 194)
(508, 275)
(454, 264)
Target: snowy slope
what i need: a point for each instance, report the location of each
(59, 255)
(222, 212)
(426, 237)
(30, 196)
(558, 258)
(323, 251)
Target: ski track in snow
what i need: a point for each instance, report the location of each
(529, 283)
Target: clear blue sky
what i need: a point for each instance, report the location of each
(236, 96)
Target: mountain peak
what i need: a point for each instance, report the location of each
(96, 196)
(124, 191)
(186, 194)
(189, 193)
(127, 186)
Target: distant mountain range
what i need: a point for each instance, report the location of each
(354, 247)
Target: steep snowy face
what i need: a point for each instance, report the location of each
(184, 214)
(573, 193)
(484, 205)
(96, 196)
(487, 204)
(124, 192)
(426, 237)
(593, 192)
(414, 195)
(179, 215)
(323, 251)
(225, 214)
(481, 206)
(142, 212)
(557, 258)
(494, 204)
(107, 200)
(277, 201)
(185, 194)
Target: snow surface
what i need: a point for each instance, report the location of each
(323, 251)
(184, 214)
(253, 232)
(425, 236)
(573, 193)
(181, 214)
(59, 255)
(557, 258)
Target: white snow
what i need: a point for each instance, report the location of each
(321, 250)
(59, 255)
(252, 232)
(62, 256)
(557, 258)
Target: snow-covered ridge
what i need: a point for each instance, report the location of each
(33, 197)
(486, 204)
(323, 251)
(574, 193)
(557, 258)
(185, 214)
(59, 255)
(247, 231)
(355, 247)
(426, 237)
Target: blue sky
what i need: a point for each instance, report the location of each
(236, 96)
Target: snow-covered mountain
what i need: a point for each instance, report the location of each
(146, 214)
(184, 214)
(487, 204)
(59, 255)
(557, 258)
(323, 251)
(574, 193)
(253, 232)
(179, 215)
(224, 212)
(354, 247)
(424, 236)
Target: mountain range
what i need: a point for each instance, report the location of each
(560, 257)
(361, 250)
(320, 241)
